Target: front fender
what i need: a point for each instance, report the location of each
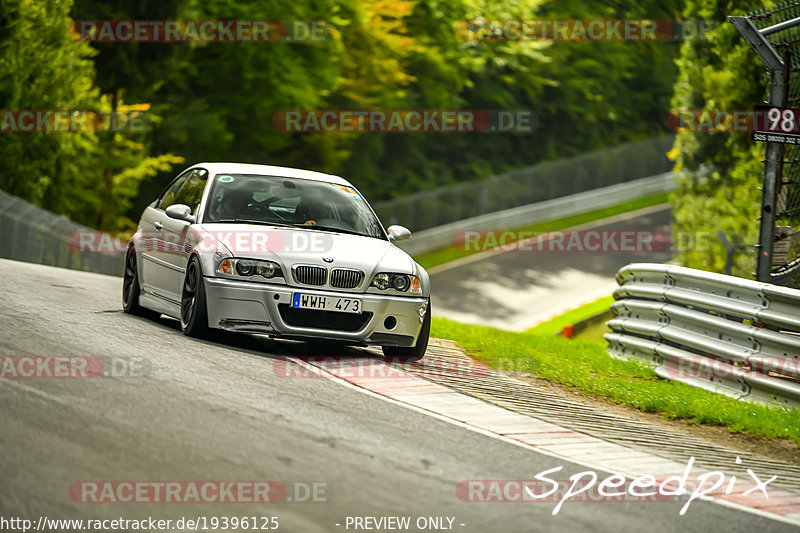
(209, 251)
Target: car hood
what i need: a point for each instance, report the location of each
(288, 247)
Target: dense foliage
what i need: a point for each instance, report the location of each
(720, 172)
(91, 176)
(217, 101)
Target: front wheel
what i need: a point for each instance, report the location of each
(131, 288)
(194, 316)
(407, 354)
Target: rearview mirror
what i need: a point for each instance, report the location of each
(398, 233)
(180, 212)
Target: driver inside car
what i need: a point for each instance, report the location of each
(232, 206)
(314, 211)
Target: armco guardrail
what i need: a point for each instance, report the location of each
(35, 235)
(529, 185)
(726, 334)
(517, 217)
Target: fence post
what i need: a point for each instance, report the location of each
(773, 170)
(773, 158)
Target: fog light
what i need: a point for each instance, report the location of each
(390, 322)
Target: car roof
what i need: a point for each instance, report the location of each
(269, 170)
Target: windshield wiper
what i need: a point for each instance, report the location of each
(337, 230)
(249, 221)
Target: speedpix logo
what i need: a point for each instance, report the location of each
(588, 486)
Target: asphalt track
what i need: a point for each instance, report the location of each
(517, 289)
(204, 410)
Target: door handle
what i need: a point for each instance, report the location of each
(158, 225)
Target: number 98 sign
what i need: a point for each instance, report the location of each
(783, 118)
(776, 124)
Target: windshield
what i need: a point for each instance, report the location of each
(289, 201)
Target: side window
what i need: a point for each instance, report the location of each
(192, 190)
(168, 197)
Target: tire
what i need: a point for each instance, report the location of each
(408, 354)
(194, 315)
(131, 289)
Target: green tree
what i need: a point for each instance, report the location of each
(43, 68)
(719, 172)
(47, 67)
(131, 70)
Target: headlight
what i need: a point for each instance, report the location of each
(381, 281)
(245, 268)
(268, 269)
(399, 282)
(248, 268)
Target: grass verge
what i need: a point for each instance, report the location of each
(593, 333)
(451, 253)
(551, 327)
(587, 367)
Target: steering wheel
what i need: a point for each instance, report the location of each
(262, 207)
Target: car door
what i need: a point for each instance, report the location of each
(155, 268)
(175, 232)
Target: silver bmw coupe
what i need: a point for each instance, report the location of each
(278, 251)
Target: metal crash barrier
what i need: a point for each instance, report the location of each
(725, 334)
(35, 235)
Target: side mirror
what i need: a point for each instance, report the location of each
(398, 233)
(180, 212)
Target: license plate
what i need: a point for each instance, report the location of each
(326, 303)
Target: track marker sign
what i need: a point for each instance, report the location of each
(776, 124)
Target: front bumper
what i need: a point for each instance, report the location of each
(265, 308)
